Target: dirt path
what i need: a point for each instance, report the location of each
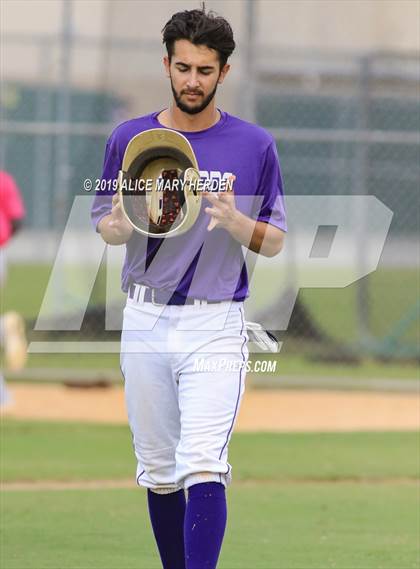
(262, 410)
(51, 485)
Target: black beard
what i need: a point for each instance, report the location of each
(192, 110)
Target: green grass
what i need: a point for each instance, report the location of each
(298, 501)
(310, 526)
(22, 278)
(287, 365)
(66, 451)
(76, 529)
(75, 361)
(16, 296)
(295, 364)
(392, 292)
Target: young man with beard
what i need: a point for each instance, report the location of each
(182, 419)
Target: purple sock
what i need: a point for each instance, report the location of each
(205, 522)
(167, 512)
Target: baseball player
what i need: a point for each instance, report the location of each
(182, 416)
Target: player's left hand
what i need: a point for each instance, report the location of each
(223, 211)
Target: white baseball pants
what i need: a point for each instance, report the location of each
(184, 371)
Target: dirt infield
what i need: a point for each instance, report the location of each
(262, 410)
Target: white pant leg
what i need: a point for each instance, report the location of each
(151, 393)
(209, 400)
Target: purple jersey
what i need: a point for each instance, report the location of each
(202, 264)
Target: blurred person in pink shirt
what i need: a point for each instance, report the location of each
(12, 328)
(12, 210)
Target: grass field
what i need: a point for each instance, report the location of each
(391, 291)
(304, 501)
(278, 527)
(287, 365)
(392, 294)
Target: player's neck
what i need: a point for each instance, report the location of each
(178, 120)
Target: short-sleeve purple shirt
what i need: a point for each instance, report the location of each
(202, 264)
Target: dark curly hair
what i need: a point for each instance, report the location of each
(200, 28)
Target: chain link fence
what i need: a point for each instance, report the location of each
(351, 127)
(345, 125)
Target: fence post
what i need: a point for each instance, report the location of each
(43, 143)
(360, 187)
(62, 165)
(248, 66)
